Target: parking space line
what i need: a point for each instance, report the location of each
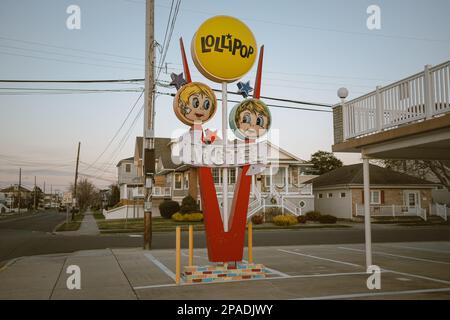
(375, 294)
(166, 270)
(300, 276)
(417, 276)
(395, 255)
(418, 249)
(319, 258)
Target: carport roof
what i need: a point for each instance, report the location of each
(353, 175)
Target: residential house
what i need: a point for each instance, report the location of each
(340, 193)
(282, 184)
(12, 196)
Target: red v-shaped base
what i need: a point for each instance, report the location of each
(225, 246)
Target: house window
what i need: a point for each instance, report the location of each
(216, 175)
(178, 181)
(186, 181)
(343, 195)
(320, 196)
(330, 195)
(128, 168)
(302, 204)
(231, 176)
(375, 197)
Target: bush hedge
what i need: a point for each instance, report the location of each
(257, 219)
(301, 219)
(189, 217)
(168, 208)
(327, 219)
(312, 215)
(188, 205)
(284, 220)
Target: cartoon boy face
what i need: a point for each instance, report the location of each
(251, 119)
(195, 103)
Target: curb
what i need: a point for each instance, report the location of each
(9, 263)
(54, 232)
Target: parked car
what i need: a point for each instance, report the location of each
(62, 208)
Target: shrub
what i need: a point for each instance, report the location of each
(188, 205)
(190, 217)
(301, 219)
(257, 219)
(312, 215)
(168, 208)
(327, 219)
(281, 220)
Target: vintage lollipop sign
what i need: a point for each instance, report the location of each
(224, 49)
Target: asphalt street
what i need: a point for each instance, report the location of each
(32, 235)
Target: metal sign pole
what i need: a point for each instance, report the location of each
(225, 169)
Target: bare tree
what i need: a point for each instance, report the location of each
(87, 194)
(437, 171)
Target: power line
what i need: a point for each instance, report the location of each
(66, 61)
(73, 81)
(268, 104)
(372, 34)
(69, 55)
(68, 48)
(117, 131)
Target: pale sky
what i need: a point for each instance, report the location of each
(312, 48)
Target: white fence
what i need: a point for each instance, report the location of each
(392, 211)
(421, 96)
(439, 210)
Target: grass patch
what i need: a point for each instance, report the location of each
(72, 225)
(168, 225)
(98, 215)
(137, 225)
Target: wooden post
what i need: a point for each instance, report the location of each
(191, 245)
(148, 157)
(250, 242)
(178, 256)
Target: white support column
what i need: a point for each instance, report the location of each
(286, 177)
(271, 179)
(225, 170)
(367, 226)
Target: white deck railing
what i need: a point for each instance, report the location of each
(421, 96)
(439, 210)
(392, 211)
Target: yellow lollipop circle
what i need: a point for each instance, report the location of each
(224, 49)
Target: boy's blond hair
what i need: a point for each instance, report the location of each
(255, 106)
(196, 87)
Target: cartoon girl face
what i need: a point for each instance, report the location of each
(250, 119)
(195, 103)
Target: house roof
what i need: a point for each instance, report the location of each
(162, 151)
(131, 159)
(353, 175)
(15, 189)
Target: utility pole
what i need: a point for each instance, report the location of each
(20, 182)
(148, 151)
(35, 191)
(76, 178)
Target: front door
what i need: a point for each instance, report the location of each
(412, 201)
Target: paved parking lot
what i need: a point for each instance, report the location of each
(413, 270)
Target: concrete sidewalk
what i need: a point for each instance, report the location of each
(88, 227)
(413, 270)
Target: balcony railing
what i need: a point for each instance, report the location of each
(422, 96)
